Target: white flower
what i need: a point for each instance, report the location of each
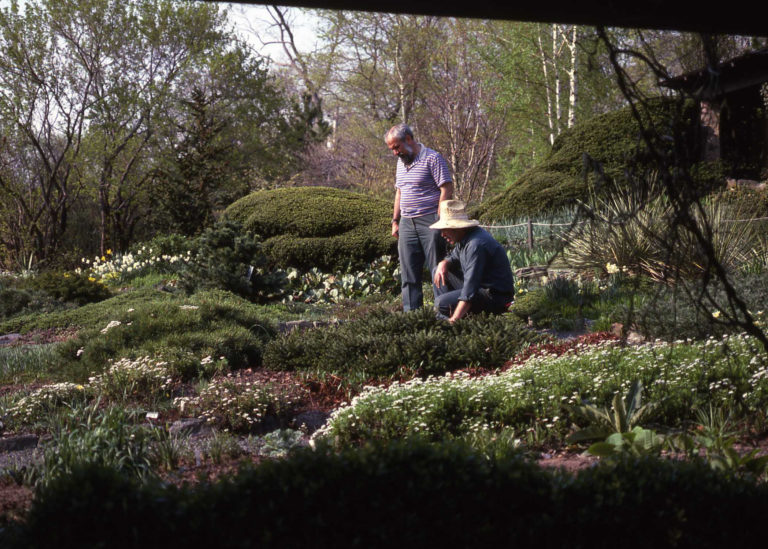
(111, 325)
(611, 268)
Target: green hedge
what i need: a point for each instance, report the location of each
(612, 139)
(307, 227)
(403, 495)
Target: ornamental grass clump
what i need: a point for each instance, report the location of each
(636, 229)
(233, 404)
(109, 437)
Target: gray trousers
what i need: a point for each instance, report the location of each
(417, 245)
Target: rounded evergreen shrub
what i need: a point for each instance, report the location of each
(307, 227)
(227, 257)
(611, 140)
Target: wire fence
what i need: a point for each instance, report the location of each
(536, 224)
(552, 228)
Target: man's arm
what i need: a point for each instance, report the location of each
(396, 215)
(461, 310)
(446, 191)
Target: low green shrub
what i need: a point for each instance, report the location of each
(15, 301)
(213, 323)
(674, 312)
(228, 258)
(405, 494)
(560, 303)
(382, 344)
(69, 287)
(317, 227)
(90, 315)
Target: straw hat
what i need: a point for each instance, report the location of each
(453, 215)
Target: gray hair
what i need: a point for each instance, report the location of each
(399, 132)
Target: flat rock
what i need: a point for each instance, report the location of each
(7, 339)
(18, 443)
(190, 426)
(291, 325)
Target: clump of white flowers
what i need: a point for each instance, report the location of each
(44, 400)
(119, 266)
(141, 377)
(240, 405)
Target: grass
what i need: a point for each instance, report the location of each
(29, 363)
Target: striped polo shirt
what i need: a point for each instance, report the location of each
(420, 181)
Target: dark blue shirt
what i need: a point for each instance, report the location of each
(484, 264)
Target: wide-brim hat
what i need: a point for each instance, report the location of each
(453, 215)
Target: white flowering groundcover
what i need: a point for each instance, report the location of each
(534, 397)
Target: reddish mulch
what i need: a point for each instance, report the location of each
(559, 347)
(39, 337)
(14, 500)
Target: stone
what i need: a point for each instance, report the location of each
(190, 426)
(7, 339)
(18, 443)
(312, 420)
(291, 325)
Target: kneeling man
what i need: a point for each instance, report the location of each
(476, 276)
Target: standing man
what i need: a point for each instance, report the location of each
(422, 181)
(476, 276)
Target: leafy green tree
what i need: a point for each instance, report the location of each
(98, 112)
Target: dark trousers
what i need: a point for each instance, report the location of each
(485, 300)
(417, 244)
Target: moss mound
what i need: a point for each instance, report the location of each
(307, 227)
(611, 139)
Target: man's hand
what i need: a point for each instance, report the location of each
(462, 309)
(395, 229)
(440, 271)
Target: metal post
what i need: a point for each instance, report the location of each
(530, 234)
